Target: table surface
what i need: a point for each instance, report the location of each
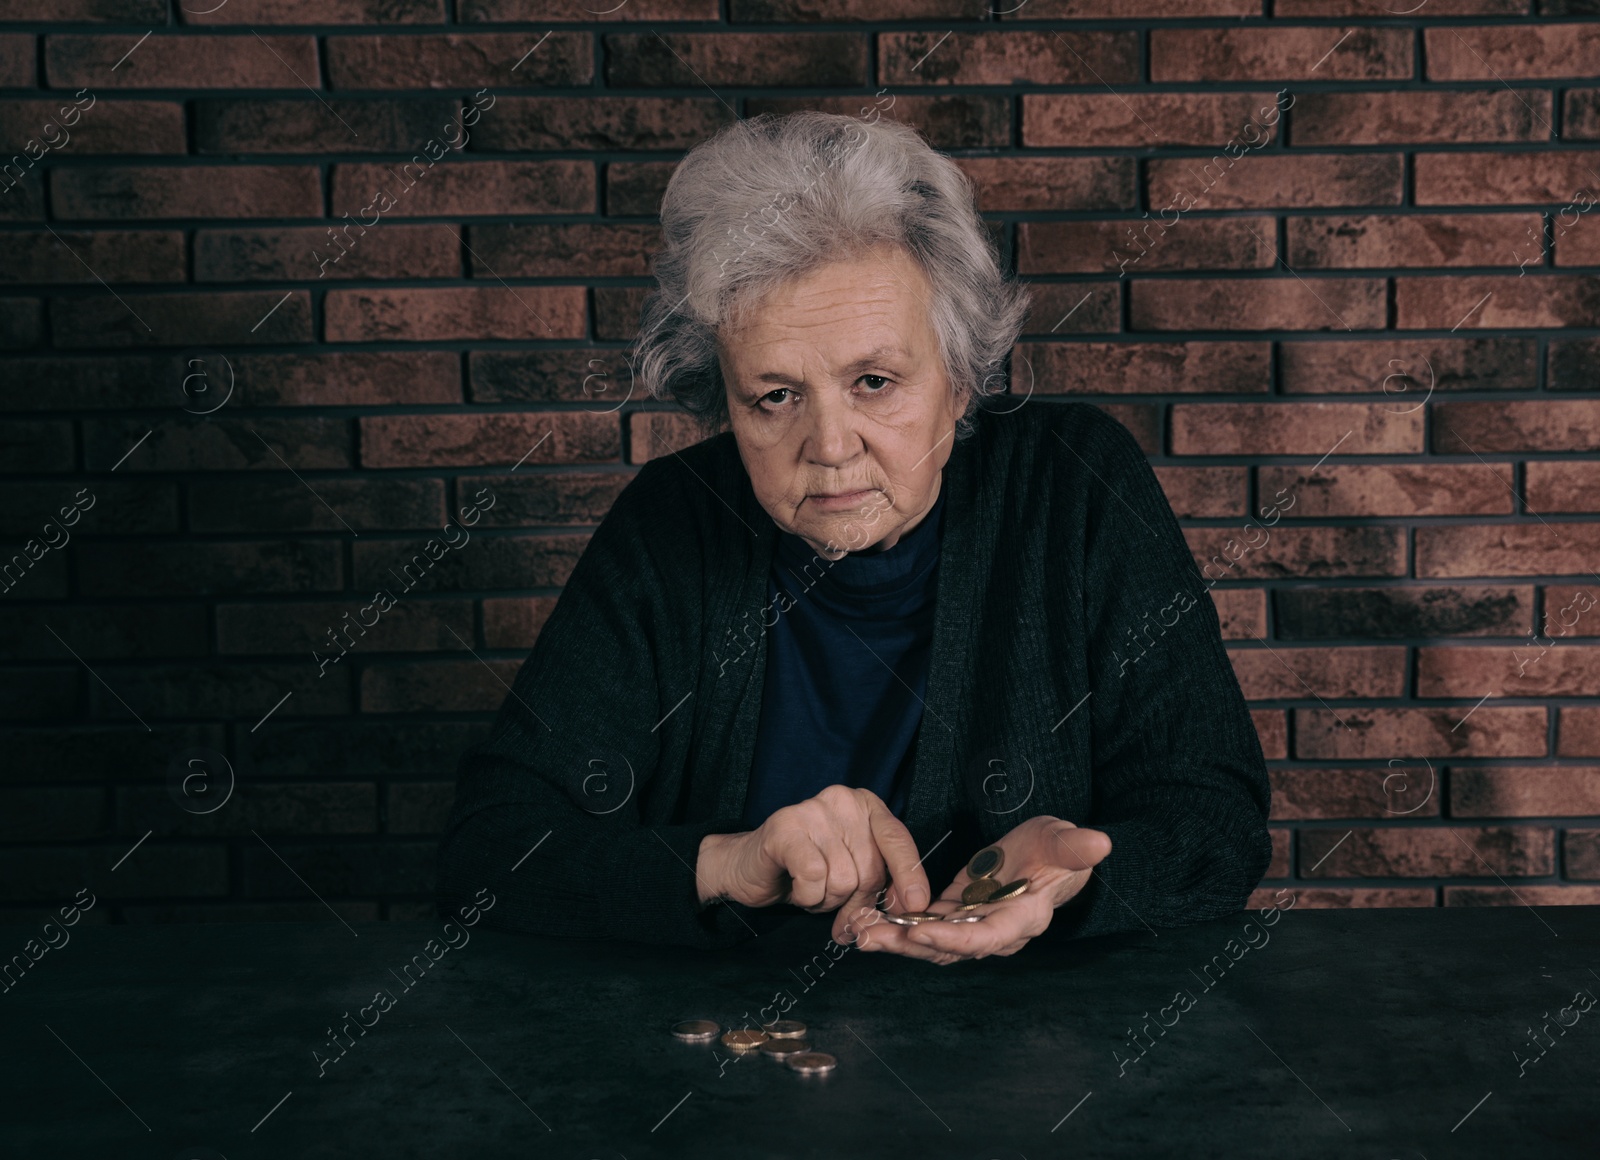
(1384, 1034)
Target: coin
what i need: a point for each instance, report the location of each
(782, 1049)
(785, 1029)
(1010, 890)
(812, 1063)
(912, 918)
(744, 1040)
(980, 890)
(696, 1030)
(965, 917)
(986, 862)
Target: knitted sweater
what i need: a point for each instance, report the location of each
(1077, 671)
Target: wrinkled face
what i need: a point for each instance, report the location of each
(839, 402)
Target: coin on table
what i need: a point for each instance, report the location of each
(744, 1040)
(1010, 890)
(965, 917)
(812, 1063)
(782, 1049)
(912, 918)
(696, 1030)
(986, 862)
(785, 1029)
(979, 891)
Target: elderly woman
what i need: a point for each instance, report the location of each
(893, 616)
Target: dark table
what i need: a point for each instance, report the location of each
(1383, 1034)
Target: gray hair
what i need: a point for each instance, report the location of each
(771, 198)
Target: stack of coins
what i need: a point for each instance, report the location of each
(984, 888)
(783, 1041)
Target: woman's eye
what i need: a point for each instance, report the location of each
(880, 379)
(769, 396)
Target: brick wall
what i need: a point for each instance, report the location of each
(1334, 266)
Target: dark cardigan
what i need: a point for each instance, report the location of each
(1077, 671)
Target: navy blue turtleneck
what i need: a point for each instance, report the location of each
(847, 670)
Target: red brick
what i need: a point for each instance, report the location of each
(617, 310)
(349, 378)
(1471, 610)
(1577, 242)
(1579, 735)
(1142, 421)
(182, 319)
(1410, 489)
(1318, 53)
(1574, 364)
(1378, 240)
(218, 443)
(320, 12)
(1501, 52)
(1071, 308)
(522, 11)
(544, 498)
(1144, 368)
(110, 632)
(1007, 58)
(579, 250)
(466, 188)
(200, 568)
(1304, 181)
(1090, 120)
(1488, 302)
(1382, 8)
(1581, 850)
(1407, 370)
(1294, 429)
(1282, 857)
(1541, 549)
(1143, 245)
(1242, 612)
(1027, 184)
(738, 59)
(635, 189)
(1258, 304)
(454, 312)
(1563, 486)
(469, 686)
(506, 562)
(1545, 177)
(1413, 852)
(17, 55)
(459, 61)
(601, 122)
(1522, 896)
(655, 433)
(269, 505)
(243, 691)
(74, 11)
(24, 202)
(753, 11)
(191, 191)
(1204, 492)
(1446, 118)
(1350, 898)
(1383, 791)
(497, 439)
(515, 621)
(201, 61)
(958, 120)
(1298, 553)
(125, 507)
(91, 256)
(599, 376)
(1295, 674)
(1128, 9)
(302, 628)
(1580, 116)
(339, 126)
(1545, 425)
(1535, 791)
(111, 126)
(1568, 608)
(1361, 734)
(308, 253)
(1530, 670)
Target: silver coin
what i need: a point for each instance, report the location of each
(696, 1030)
(785, 1029)
(782, 1049)
(965, 917)
(812, 1063)
(986, 862)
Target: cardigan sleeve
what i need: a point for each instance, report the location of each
(1178, 779)
(549, 809)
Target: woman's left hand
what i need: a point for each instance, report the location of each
(1055, 856)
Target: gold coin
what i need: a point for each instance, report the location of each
(785, 1029)
(782, 1049)
(980, 890)
(696, 1030)
(812, 1063)
(1010, 890)
(913, 918)
(744, 1040)
(965, 917)
(986, 862)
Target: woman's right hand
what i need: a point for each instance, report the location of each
(835, 851)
